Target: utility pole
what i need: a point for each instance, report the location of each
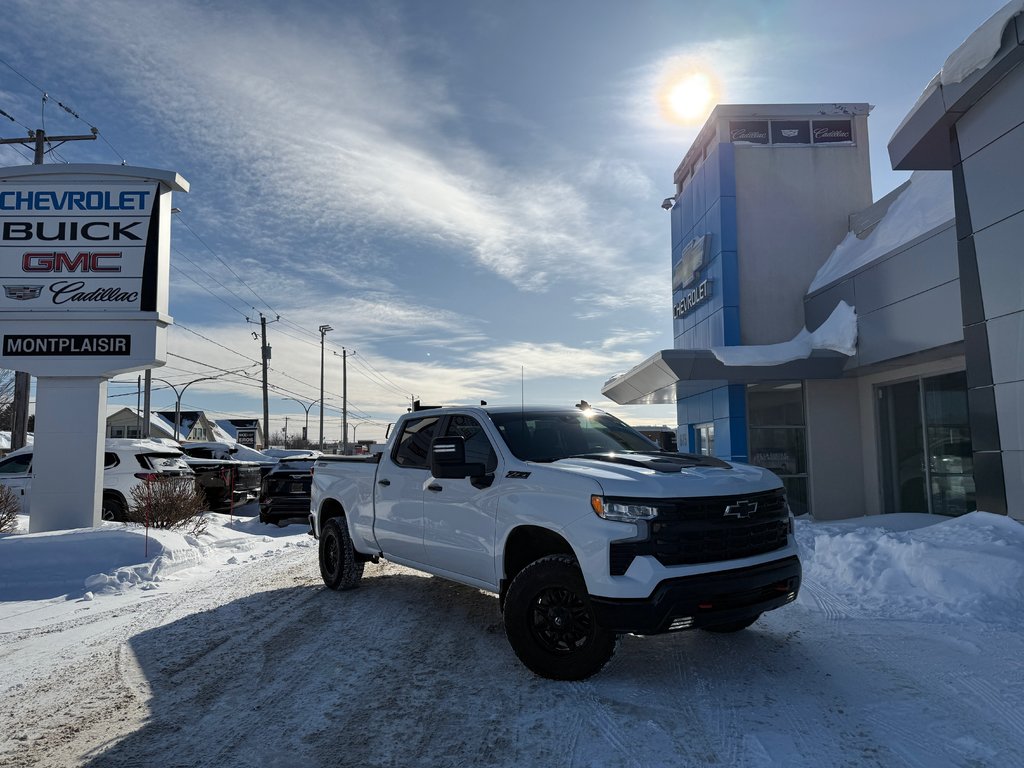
(323, 332)
(22, 380)
(344, 401)
(146, 405)
(285, 432)
(265, 350)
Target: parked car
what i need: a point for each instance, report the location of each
(227, 484)
(230, 452)
(284, 492)
(584, 528)
(127, 464)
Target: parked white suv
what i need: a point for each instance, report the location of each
(127, 464)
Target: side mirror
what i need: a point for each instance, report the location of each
(448, 459)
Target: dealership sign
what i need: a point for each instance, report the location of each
(793, 132)
(692, 299)
(82, 246)
(84, 268)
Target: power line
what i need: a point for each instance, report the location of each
(218, 282)
(64, 107)
(228, 266)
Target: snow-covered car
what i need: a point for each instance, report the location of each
(230, 452)
(127, 464)
(284, 493)
(290, 453)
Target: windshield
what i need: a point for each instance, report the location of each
(551, 435)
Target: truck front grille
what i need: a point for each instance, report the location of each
(707, 530)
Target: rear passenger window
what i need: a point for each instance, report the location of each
(478, 447)
(413, 444)
(110, 460)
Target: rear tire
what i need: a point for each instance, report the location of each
(550, 623)
(339, 567)
(113, 507)
(731, 626)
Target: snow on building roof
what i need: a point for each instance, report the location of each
(974, 53)
(838, 333)
(926, 203)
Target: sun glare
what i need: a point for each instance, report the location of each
(688, 97)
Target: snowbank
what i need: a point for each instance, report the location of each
(922, 206)
(115, 557)
(966, 569)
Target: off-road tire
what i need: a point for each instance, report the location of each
(112, 507)
(731, 626)
(339, 567)
(550, 623)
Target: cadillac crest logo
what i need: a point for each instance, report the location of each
(22, 292)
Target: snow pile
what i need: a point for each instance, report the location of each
(925, 204)
(838, 333)
(114, 557)
(966, 569)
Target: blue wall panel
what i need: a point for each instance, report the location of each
(708, 206)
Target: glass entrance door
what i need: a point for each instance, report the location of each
(927, 462)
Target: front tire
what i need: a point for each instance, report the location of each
(339, 567)
(550, 623)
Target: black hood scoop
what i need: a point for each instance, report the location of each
(659, 462)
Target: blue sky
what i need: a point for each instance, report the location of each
(468, 192)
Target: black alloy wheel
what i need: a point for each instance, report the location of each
(550, 623)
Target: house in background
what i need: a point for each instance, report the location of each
(194, 426)
(123, 421)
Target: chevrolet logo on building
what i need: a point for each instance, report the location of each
(741, 509)
(22, 292)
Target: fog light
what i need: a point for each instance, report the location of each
(684, 622)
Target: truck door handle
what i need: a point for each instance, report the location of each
(384, 482)
(435, 487)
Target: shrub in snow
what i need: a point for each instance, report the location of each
(169, 502)
(9, 509)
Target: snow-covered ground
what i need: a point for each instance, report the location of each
(904, 649)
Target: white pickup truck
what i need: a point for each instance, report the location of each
(583, 527)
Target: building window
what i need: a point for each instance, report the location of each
(778, 436)
(926, 453)
(704, 439)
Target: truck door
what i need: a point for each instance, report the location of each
(458, 517)
(401, 478)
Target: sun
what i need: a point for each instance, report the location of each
(687, 97)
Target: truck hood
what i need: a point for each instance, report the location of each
(667, 475)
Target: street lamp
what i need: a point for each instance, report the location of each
(323, 332)
(305, 429)
(180, 393)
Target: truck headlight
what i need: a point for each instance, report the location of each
(626, 511)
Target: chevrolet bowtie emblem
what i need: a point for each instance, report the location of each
(741, 509)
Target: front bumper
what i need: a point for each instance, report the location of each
(704, 599)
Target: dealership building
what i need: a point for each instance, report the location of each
(870, 353)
